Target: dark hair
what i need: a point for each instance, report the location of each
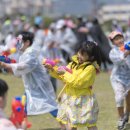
(92, 50)
(36, 26)
(27, 36)
(95, 21)
(3, 88)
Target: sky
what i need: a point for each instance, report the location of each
(81, 7)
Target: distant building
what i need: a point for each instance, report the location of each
(29, 7)
(119, 12)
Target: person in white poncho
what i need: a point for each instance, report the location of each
(38, 88)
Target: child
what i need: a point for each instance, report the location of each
(5, 124)
(78, 105)
(120, 77)
(38, 88)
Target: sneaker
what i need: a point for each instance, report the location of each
(121, 124)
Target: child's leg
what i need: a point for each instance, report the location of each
(128, 103)
(120, 112)
(127, 110)
(92, 128)
(70, 128)
(62, 126)
(119, 91)
(54, 114)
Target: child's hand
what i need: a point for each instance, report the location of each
(23, 125)
(2, 64)
(49, 67)
(61, 71)
(126, 53)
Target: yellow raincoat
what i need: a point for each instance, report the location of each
(78, 105)
(78, 83)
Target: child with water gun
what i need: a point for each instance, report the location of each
(78, 106)
(120, 76)
(39, 91)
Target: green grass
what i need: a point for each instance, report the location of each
(102, 88)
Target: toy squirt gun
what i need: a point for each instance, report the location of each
(125, 47)
(8, 52)
(7, 59)
(18, 112)
(54, 62)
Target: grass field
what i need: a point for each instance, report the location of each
(107, 115)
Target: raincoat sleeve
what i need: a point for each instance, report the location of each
(127, 59)
(25, 66)
(116, 56)
(84, 80)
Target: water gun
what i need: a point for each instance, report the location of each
(7, 59)
(125, 47)
(54, 62)
(62, 68)
(11, 51)
(51, 62)
(18, 111)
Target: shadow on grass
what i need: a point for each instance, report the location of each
(127, 127)
(51, 129)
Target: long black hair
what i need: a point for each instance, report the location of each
(92, 50)
(3, 88)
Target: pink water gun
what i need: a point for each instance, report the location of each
(51, 62)
(62, 68)
(54, 62)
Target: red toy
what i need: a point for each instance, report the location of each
(18, 112)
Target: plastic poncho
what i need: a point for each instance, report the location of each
(121, 68)
(6, 124)
(67, 40)
(38, 88)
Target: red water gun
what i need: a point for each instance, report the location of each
(18, 111)
(11, 51)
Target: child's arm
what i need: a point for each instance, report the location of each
(127, 60)
(84, 80)
(116, 56)
(54, 72)
(22, 67)
(6, 66)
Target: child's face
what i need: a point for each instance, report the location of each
(82, 57)
(24, 46)
(118, 41)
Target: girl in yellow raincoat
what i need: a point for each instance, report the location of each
(78, 105)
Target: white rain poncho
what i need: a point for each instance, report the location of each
(38, 88)
(67, 40)
(121, 68)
